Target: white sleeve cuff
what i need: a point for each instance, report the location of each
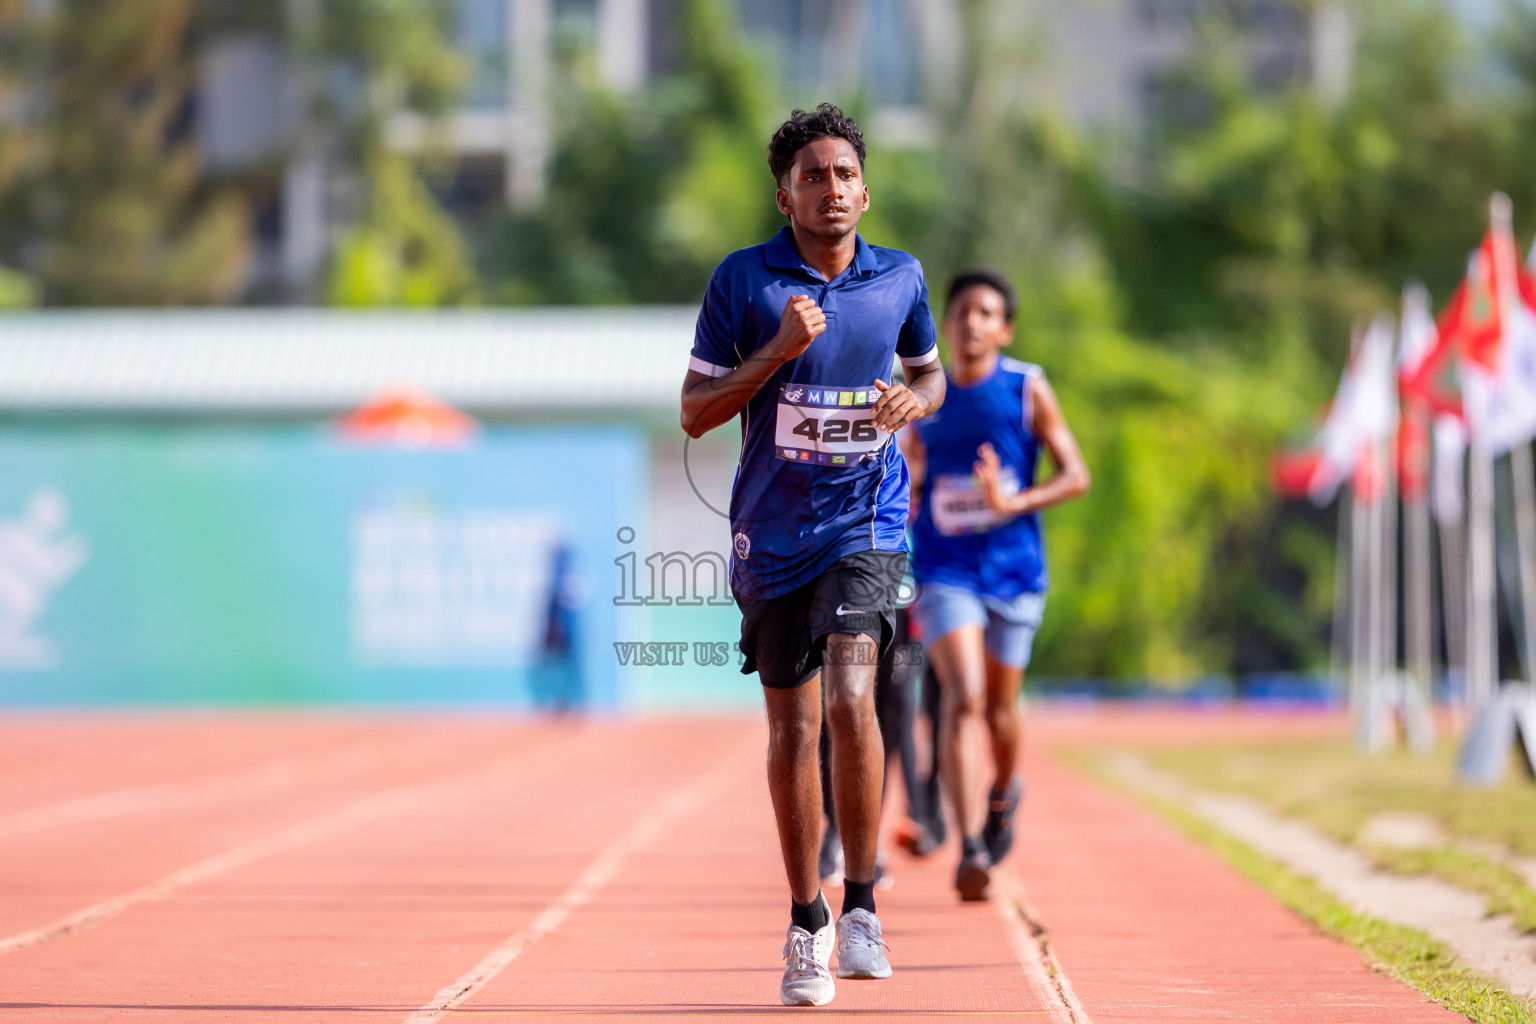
(923, 360)
(695, 363)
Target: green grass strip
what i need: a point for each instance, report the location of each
(1504, 887)
(1334, 788)
(1407, 954)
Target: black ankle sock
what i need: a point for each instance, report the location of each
(812, 916)
(970, 846)
(858, 896)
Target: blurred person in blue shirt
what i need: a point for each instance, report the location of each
(980, 560)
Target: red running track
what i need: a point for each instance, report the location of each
(324, 868)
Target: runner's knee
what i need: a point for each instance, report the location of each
(964, 700)
(850, 709)
(794, 733)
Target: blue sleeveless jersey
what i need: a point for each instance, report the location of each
(816, 481)
(956, 538)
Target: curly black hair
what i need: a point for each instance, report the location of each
(805, 127)
(987, 278)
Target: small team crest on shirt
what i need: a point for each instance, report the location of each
(742, 545)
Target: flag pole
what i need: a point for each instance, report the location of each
(1418, 593)
(1418, 583)
(1343, 583)
(1482, 636)
(1359, 594)
(1388, 702)
(1482, 609)
(1520, 455)
(1361, 576)
(1450, 489)
(1453, 605)
(1525, 547)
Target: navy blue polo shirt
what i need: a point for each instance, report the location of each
(816, 480)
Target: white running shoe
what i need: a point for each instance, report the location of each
(807, 976)
(859, 946)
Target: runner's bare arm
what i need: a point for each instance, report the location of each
(710, 401)
(1071, 478)
(900, 403)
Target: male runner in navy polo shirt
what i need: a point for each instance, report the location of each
(797, 337)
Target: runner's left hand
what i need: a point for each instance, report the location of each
(897, 407)
(989, 472)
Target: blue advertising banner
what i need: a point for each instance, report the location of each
(285, 564)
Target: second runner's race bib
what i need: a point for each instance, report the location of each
(826, 426)
(960, 504)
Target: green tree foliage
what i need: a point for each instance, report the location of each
(1191, 293)
(405, 251)
(1177, 436)
(101, 199)
(103, 196)
(392, 58)
(1268, 227)
(648, 191)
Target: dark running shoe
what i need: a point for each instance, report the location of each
(829, 864)
(973, 876)
(916, 839)
(933, 810)
(997, 834)
(924, 830)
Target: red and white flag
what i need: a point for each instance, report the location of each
(1499, 374)
(1363, 413)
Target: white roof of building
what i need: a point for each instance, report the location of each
(297, 361)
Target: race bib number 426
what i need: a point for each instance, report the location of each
(826, 426)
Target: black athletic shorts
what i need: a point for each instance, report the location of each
(782, 637)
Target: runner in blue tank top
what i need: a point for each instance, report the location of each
(798, 337)
(978, 555)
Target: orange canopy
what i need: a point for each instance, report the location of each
(405, 416)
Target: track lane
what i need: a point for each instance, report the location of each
(692, 926)
(368, 923)
(269, 776)
(48, 875)
(371, 922)
(1151, 926)
(54, 757)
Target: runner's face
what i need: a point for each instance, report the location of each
(976, 323)
(823, 191)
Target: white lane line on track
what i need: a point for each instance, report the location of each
(275, 775)
(673, 806)
(1031, 945)
(359, 812)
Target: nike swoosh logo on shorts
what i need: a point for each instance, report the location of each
(843, 609)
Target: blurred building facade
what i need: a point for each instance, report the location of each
(1096, 62)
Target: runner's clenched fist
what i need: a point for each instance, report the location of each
(802, 321)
